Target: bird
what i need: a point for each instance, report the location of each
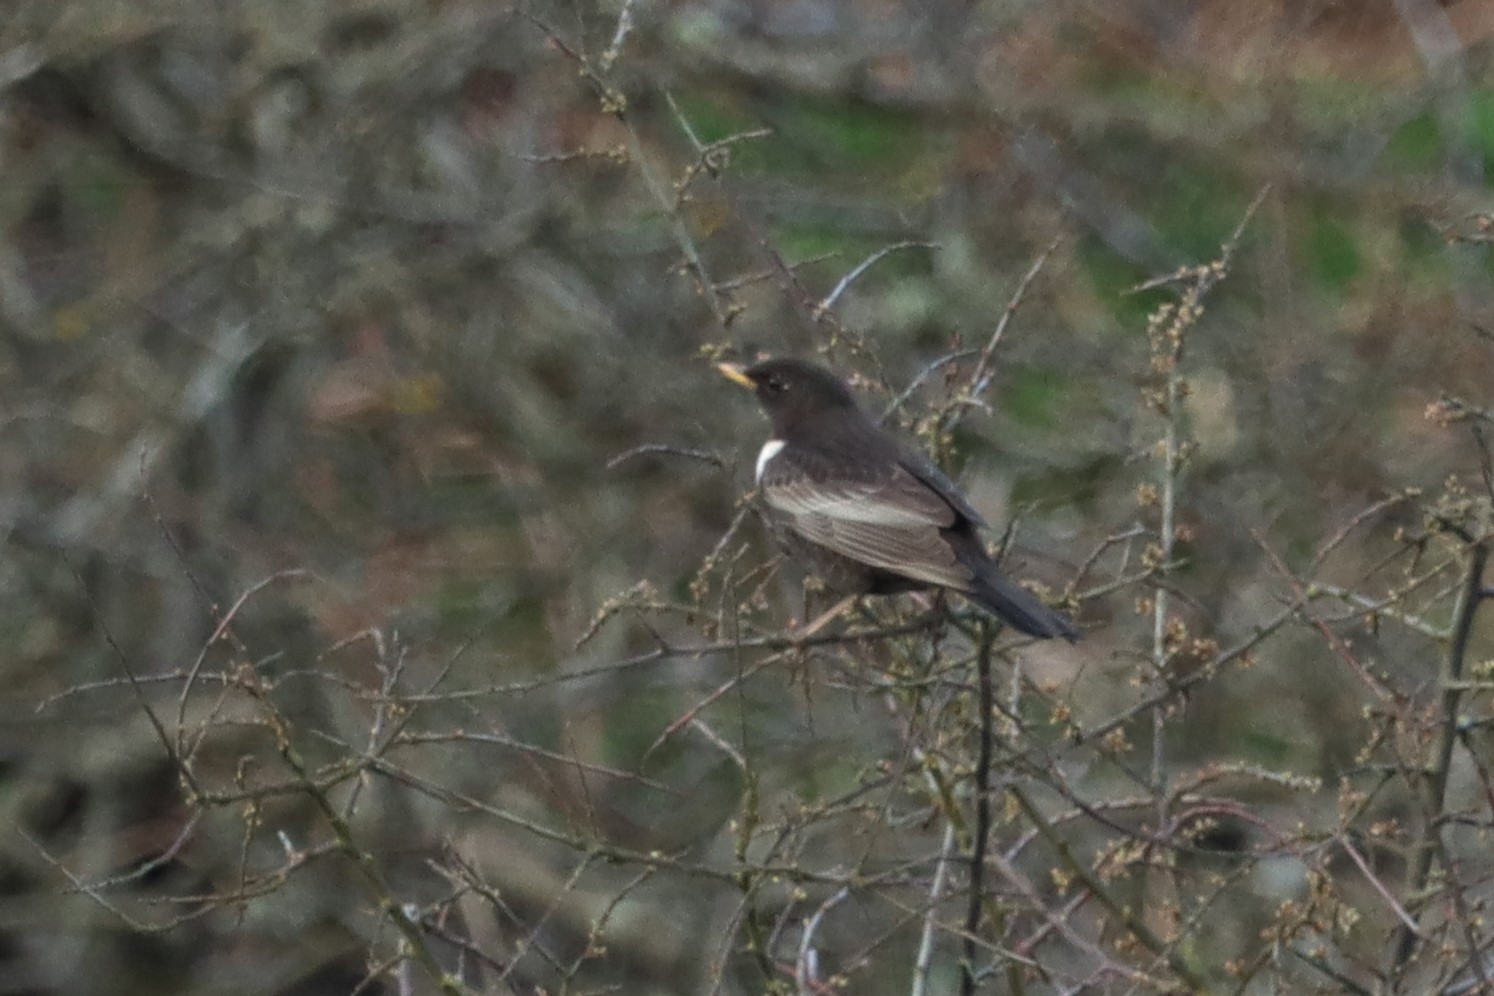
(866, 513)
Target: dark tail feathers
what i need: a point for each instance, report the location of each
(1017, 606)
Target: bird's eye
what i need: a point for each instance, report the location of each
(776, 385)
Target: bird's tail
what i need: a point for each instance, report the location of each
(1015, 605)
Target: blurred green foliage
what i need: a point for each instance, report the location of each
(1333, 256)
(1416, 145)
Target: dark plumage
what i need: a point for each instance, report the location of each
(869, 515)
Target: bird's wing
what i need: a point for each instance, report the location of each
(927, 472)
(890, 521)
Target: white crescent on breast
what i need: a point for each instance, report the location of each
(770, 450)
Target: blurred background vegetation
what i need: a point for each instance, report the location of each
(362, 308)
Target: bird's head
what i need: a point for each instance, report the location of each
(792, 392)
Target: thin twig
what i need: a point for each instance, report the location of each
(664, 449)
(1374, 880)
(982, 829)
(923, 375)
(866, 264)
(982, 375)
(925, 958)
(1121, 912)
(806, 967)
(1435, 799)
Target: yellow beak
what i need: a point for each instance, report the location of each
(736, 374)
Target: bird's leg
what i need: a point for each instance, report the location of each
(826, 617)
(927, 604)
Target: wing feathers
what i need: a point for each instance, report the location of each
(889, 504)
(892, 524)
(917, 552)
